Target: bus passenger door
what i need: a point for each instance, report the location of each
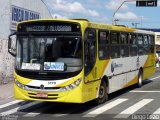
(90, 55)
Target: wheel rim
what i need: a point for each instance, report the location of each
(140, 80)
(101, 92)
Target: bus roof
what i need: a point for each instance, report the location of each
(121, 28)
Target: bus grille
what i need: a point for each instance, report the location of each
(46, 88)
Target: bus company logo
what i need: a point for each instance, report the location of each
(47, 66)
(42, 87)
(115, 65)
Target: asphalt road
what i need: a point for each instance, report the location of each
(131, 103)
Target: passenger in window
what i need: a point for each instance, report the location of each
(134, 40)
(122, 52)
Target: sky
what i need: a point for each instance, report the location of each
(101, 11)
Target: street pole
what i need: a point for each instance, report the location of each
(47, 8)
(113, 17)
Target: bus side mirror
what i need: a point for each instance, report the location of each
(12, 44)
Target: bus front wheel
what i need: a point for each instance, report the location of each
(103, 94)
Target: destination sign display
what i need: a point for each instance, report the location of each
(48, 27)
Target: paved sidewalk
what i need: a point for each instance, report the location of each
(6, 90)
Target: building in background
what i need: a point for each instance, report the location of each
(12, 12)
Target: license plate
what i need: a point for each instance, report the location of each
(42, 95)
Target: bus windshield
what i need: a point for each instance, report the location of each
(49, 54)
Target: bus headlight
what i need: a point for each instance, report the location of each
(19, 84)
(72, 86)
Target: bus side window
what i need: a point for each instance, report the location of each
(124, 44)
(115, 47)
(103, 45)
(90, 49)
(146, 44)
(133, 45)
(151, 43)
(140, 44)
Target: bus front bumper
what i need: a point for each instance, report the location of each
(71, 96)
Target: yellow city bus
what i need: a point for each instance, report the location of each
(75, 61)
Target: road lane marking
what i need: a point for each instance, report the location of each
(154, 78)
(9, 112)
(18, 108)
(31, 114)
(157, 112)
(36, 112)
(132, 109)
(60, 115)
(143, 91)
(29, 105)
(105, 107)
(10, 103)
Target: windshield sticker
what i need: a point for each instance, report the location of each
(54, 66)
(31, 66)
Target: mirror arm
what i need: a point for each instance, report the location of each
(12, 34)
(14, 55)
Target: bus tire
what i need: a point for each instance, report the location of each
(140, 79)
(103, 94)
